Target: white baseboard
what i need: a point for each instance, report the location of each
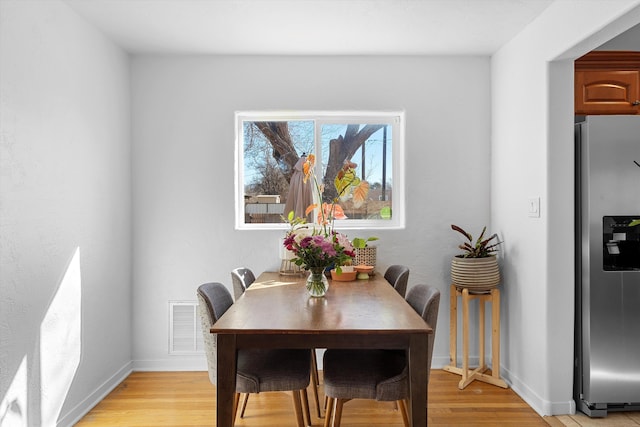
(541, 406)
(82, 408)
(439, 362)
(176, 363)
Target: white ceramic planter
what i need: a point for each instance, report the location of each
(475, 273)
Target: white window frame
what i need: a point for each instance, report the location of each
(395, 118)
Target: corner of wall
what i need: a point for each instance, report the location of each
(82, 408)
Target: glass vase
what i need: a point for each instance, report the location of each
(317, 283)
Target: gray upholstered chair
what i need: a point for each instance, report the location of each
(376, 374)
(258, 370)
(241, 278)
(398, 276)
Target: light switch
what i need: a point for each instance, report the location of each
(534, 207)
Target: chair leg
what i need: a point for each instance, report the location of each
(244, 404)
(297, 406)
(314, 382)
(236, 401)
(328, 410)
(305, 406)
(337, 416)
(314, 361)
(403, 410)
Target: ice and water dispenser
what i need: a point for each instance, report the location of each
(621, 240)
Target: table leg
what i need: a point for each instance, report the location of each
(418, 345)
(226, 379)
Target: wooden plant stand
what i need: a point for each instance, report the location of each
(469, 375)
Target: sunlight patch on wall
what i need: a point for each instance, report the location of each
(13, 410)
(60, 343)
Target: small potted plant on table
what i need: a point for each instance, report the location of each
(365, 254)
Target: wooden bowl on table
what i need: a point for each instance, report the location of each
(345, 276)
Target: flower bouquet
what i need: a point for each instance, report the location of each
(318, 246)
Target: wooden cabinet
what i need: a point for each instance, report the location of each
(607, 82)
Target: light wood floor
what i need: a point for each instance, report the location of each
(188, 399)
(613, 419)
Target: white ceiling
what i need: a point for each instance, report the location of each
(311, 27)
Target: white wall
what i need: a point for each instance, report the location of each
(65, 212)
(629, 40)
(183, 163)
(532, 106)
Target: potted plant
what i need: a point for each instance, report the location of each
(365, 254)
(477, 267)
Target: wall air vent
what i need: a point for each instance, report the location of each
(185, 333)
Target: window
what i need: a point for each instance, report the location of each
(270, 145)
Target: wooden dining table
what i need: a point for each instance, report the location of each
(277, 312)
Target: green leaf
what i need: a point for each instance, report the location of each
(461, 231)
(385, 212)
(360, 243)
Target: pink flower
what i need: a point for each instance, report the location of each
(343, 241)
(306, 242)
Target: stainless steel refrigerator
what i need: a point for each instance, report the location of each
(607, 345)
